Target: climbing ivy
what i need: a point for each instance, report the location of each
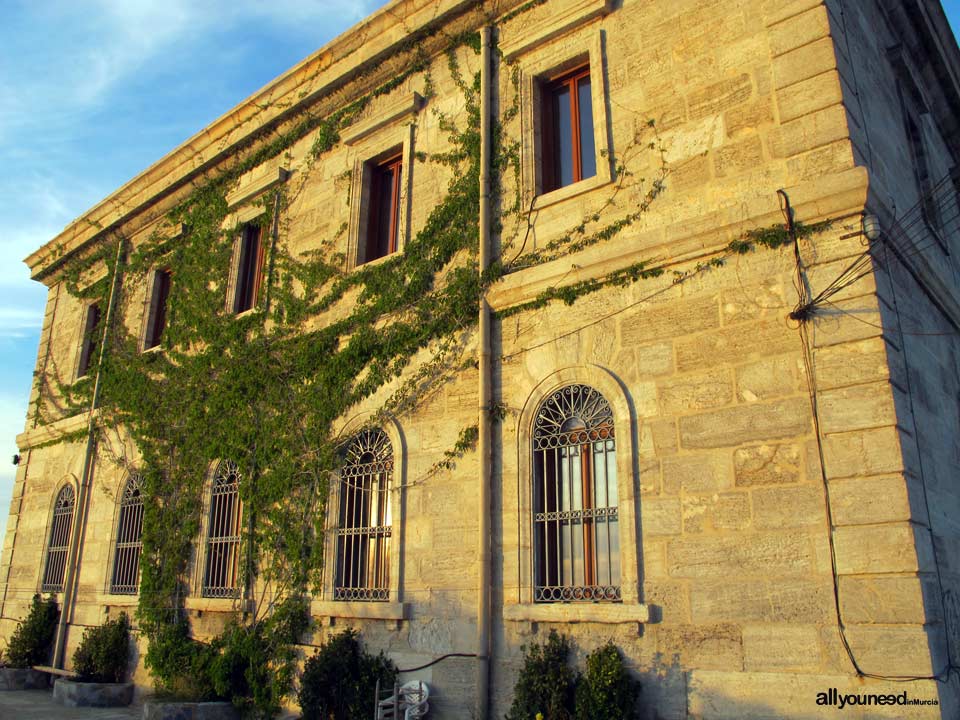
(265, 388)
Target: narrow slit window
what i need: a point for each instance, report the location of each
(125, 579)
(576, 519)
(222, 567)
(249, 269)
(365, 528)
(568, 150)
(91, 340)
(157, 315)
(59, 543)
(383, 211)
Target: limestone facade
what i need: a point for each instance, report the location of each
(750, 527)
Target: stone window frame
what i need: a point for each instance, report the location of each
(389, 132)
(395, 609)
(555, 58)
(521, 607)
(119, 598)
(84, 361)
(150, 341)
(196, 600)
(242, 214)
(72, 482)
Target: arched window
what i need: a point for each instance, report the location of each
(222, 566)
(365, 527)
(575, 523)
(59, 544)
(125, 579)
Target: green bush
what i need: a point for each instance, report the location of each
(606, 691)
(30, 643)
(179, 665)
(254, 664)
(339, 680)
(546, 682)
(103, 652)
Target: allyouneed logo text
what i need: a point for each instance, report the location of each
(834, 698)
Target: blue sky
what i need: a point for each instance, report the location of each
(94, 91)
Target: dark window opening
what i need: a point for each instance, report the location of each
(91, 340)
(568, 151)
(157, 319)
(921, 168)
(383, 215)
(222, 572)
(365, 529)
(59, 542)
(249, 269)
(576, 529)
(126, 558)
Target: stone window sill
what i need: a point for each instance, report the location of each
(604, 613)
(570, 191)
(361, 610)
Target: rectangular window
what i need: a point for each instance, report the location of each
(568, 148)
(91, 340)
(249, 269)
(383, 210)
(157, 315)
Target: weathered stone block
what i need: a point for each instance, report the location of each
(865, 501)
(686, 393)
(809, 131)
(789, 507)
(799, 30)
(787, 599)
(856, 407)
(719, 96)
(863, 452)
(747, 423)
(738, 157)
(851, 363)
(707, 646)
(769, 378)
(808, 96)
(657, 322)
(804, 62)
(748, 118)
(654, 359)
(886, 600)
(864, 549)
(766, 465)
(911, 650)
(771, 337)
(660, 516)
(703, 472)
(765, 554)
(781, 647)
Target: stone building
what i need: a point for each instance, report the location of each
(716, 367)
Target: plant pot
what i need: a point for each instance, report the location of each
(72, 693)
(175, 710)
(23, 679)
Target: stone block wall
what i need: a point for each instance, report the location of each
(742, 517)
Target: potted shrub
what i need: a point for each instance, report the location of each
(100, 662)
(339, 681)
(30, 645)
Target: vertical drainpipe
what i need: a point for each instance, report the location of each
(80, 517)
(483, 439)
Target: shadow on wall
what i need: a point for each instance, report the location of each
(672, 693)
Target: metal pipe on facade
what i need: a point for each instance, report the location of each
(80, 517)
(483, 439)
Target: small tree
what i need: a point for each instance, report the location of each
(606, 691)
(30, 643)
(545, 686)
(103, 652)
(339, 680)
